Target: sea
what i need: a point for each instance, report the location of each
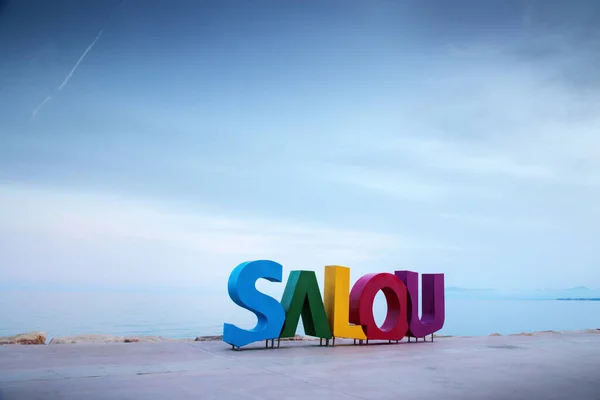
(187, 315)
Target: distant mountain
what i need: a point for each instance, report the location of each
(581, 288)
(583, 299)
(579, 292)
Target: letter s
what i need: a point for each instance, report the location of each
(243, 292)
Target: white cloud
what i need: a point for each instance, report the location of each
(493, 222)
(129, 240)
(480, 143)
(466, 158)
(487, 118)
(413, 185)
(397, 184)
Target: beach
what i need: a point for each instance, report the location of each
(546, 365)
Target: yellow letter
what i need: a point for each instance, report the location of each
(337, 303)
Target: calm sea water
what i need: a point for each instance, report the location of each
(190, 315)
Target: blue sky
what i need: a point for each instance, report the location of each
(439, 136)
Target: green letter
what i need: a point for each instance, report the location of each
(303, 297)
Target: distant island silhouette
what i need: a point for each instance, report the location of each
(580, 299)
(579, 293)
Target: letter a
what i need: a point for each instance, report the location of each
(302, 297)
(242, 291)
(433, 313)
(337, 303)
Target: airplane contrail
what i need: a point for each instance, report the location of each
(81, 59)
(62, 85)
(38, 108)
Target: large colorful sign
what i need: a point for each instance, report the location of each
(341, 312)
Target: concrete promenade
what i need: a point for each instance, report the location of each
(547, 366)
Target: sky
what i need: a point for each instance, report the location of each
(154, 144)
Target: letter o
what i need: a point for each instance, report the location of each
(362, 297)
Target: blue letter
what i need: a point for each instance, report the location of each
(242, 290)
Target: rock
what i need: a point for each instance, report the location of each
(495, 334)
(153, 339)
(297, 337)
(592, 330)
(87, 338)
(144, 339)
(208, 338)
(25, 338)
(98, 338)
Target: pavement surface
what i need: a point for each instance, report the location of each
(551, 366)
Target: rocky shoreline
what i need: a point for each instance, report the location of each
(39, 338)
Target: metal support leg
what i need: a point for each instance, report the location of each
(267, 344)
(333, 342)
(278, 341)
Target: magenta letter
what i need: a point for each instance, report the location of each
(433, 315)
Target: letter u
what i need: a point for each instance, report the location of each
(433, 303)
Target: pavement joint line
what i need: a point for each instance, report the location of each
(212, 352)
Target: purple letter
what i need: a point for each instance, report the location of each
(433, 315)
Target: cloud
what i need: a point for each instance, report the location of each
(493, 222)
(464, 157)
(393, 183)
(482, 121)
(131, 240)
(406, 185)
(480, 134)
